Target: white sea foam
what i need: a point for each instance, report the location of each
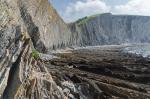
(139, 49)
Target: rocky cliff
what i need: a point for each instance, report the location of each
(44, 25)
(26, 25)
(103, 29)
(40, 20)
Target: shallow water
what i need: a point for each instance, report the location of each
(139, 49)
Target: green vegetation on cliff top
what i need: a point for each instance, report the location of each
(85, 19)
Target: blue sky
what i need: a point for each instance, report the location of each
(71, 10)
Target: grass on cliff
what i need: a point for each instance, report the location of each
(85, 19)
(35, 54)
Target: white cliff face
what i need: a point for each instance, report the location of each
(112, 29)
(131, 28)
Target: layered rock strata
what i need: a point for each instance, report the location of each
(107, 29)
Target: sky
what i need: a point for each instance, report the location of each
(72, 10)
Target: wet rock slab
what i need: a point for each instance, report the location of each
(102, 72)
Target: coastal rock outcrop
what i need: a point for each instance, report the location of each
(26, 25)
(44, 25)
(107, 29)
(37, 17)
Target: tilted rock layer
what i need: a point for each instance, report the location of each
(39, 19)
(24, 25)
(44, 24)
(111, 29)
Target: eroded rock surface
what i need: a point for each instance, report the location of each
(107, 73)
(39, 19)
(106, 29)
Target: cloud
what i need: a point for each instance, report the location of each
(133, 7)
(84, 8)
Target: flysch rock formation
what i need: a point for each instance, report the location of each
(40, 20)
(29, 25)
(24, 24)
(104, 29)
